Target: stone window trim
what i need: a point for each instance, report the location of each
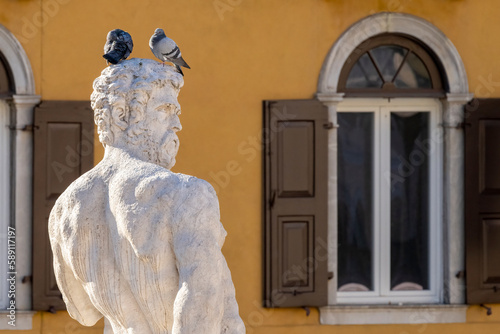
(21, 103)
(392, 314)
(24, 320)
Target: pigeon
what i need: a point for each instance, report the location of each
(165, 49)
(118, 46)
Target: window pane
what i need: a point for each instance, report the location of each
(388, 59)
(355, 201)
(413, 74)
(364, 75)
(409, 201)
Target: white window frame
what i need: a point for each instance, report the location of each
(381, 293)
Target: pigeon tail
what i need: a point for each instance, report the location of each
(179, 61)
(113, 59)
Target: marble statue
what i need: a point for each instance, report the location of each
(132, 241)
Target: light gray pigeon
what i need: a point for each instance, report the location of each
(165, 49)
(118, 46)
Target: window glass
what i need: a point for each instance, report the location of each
(388, 226)
(390, 68)
(355, 204)
(409, 201)
(4, 78)
(388, 59)
(413, 74)
(364, 74)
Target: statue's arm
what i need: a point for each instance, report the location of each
(197, 240)
(231, 323)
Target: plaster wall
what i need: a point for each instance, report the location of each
(241, 52)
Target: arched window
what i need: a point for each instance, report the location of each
(391, 66)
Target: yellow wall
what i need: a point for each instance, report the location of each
(256, 50)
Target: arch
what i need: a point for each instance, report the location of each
(18, 63)
(397, 23)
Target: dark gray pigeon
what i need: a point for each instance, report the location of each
(118, 46)
(165, 49)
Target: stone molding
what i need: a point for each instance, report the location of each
(18, 62)
(407, 314)
(398, 23)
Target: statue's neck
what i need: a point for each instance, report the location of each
(120, 155)
(113, 154)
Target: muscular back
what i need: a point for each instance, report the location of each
(135, 242)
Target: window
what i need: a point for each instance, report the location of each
(371, 99)
(388, 188)
(389, 193)
(389, 174)
(390, 183)
(390, 65)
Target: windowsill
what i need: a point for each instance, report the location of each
(392, 314)
(24, 320)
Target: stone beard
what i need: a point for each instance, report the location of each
(163, 152)
(132, 241)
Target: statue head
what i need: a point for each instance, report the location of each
(136, 109)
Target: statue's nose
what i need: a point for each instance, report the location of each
(176, 124)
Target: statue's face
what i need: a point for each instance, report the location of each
(162, 121)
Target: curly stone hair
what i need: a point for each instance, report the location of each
(122, 92)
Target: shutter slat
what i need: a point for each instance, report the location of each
(295, 203)
(64, 149)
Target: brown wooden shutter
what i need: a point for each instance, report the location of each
(295, 202)
(482, 201)
(63, 150)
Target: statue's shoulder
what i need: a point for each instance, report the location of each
(84, 197)
(175, 186)
(197, 189)
(88, 186)
(192, 183)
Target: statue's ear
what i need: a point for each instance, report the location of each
(120, 117)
